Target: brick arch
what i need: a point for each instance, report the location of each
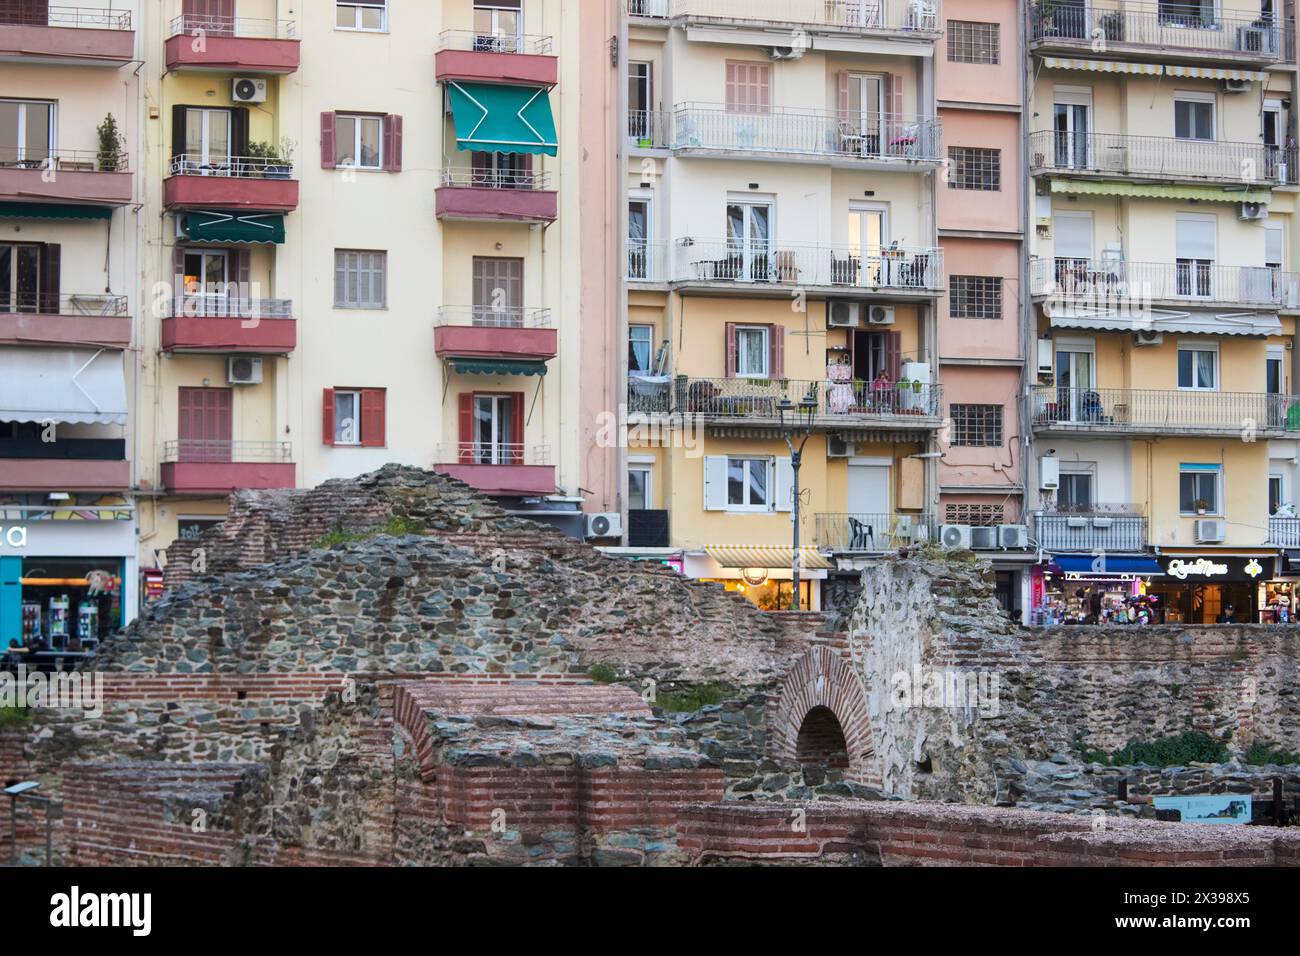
(821, 678)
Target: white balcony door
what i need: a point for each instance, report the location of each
(494, 438)
(207, 140)
(749, 240)
(867, 111)
(26, 132)
(1195, 244)
(1076, 377)
(498, 26)
(1072, 123)
(867, 235)
(868, 489)
(206, 275)
(638, 238)
(1072, 246)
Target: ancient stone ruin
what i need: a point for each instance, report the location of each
(393, 671)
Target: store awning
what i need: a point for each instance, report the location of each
(502, 118)
(37, 210)
(1214, 73)
(1257, 324)
(1101, 66)
(71, 386)
(466, 366)
(1292, 560)
(1092, 187)
(1102, 565)
(235, 227)
(765, 556)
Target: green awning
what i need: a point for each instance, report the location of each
(235, 227)
(1092, 187)
(467, 366)
(36, 210)
(503, 119)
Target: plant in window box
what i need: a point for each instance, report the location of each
(110, 145)
(1201, 506)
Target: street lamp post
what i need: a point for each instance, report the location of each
(797, 422)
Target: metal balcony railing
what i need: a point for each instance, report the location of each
(853, 533)
(838, 402)
(650, 129)
(237, 167)
(1118, 154)
(473, 42)
(882, 138)
(204, 451)
(493, 453)
(1164, 410)
(900, 16)
(20, 13)
(495, 317)
(1102, 279)
(245, 27)
(216, 306)
(1188, 26)
(651, 9)
(1284, 531)
(1091, 528)
(63, 304)
(647, 260)
(470, 177)
(770, 261)
(64, 160)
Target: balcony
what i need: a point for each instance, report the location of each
(890, 142)
(1185, 284)
(647, 261)
(490, 195)
(232, 45)
(777, 266)
(69, 464)
(753, 402)
(64, 176)
(487, 58)
(1114, 528)
(500, 469)
(648, 9)
(1284, 531)
(1111, 155)
(80, 36)
(1156, 31)
(217, 323)
(39, 319)
(901, 19)
(192, 467)
(485, 332)
(239, 182)
(873, 533)
(1125, 411)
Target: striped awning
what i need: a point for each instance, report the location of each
(765, 556)
(1214, 73)
(1101, 66)
(1257, 324)
(1101, 187)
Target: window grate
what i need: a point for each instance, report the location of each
(970, 41)
(974, 167)
(975, 297)
(976, 426)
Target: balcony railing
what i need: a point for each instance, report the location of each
(243, 27)
(653, 9)
(838, 403)
(64, 449)
(202, 451)
(503, 317)
(63, 304)
(883, 138)
(1098, 280)
(226, 307)
(1169, 410)
(473, 42)
(468, 177)
(903, 16)
(853, 533)
(647, 260)
(231, 167)
(649, 129)
(1188, 26)
(63, 160)
(1115, 528)
(1115, 154)
(85, 18)
(494, 453)
(774, 262)
(1284, 531)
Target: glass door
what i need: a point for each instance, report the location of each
(20, 278)
(866, 264)
(867, 137)
(749, 241)
(207, 141)
(1071, 122)
(1076, 400)
(206, 282)
(494, 440)
(498, 27)
(26, 133)
(638, 238)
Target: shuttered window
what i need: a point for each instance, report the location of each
(360, 279)
(355, 416)
(749, 87)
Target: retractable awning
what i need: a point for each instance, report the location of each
(37, 210)
(1107, 564)
(1214, 73)
(235, 227)
(466, 366)
(765, 556)
(1090, 187)
(71, 386)
(502, 118)
(1101, 66)
(1256, 324)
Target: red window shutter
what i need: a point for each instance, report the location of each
(327, 418)
(466, 428)
(731, 349)
(393, 143)
(372, 418)
(328, 124)
(776, 342)
(516, 452)
(894, 355)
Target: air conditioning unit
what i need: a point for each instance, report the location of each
(1013, 537)
(606, 525)
(920, 533)
(1252, 211)
(880, 315)
(1049, 473)
(1148, 337)
(843, 315)
(248, 89)
(1210, 532)
(1236, 86)
(839, 447)
(955, 536)
(983, 539)
(244, 370)
(785, 52)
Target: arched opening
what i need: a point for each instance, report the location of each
(821, 741)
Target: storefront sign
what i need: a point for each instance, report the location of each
(1207, 569)
(1201, 567)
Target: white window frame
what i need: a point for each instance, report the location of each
(1283, 498)
(1217, 510)
(645, 196)
(650, 341)
(339, 421)
(52, 107)
(645, 467)
(1194, 347)
(1185, 96)
(496, 10)
(358, 120)
(766, 334)
(750, 508)
(358, 6)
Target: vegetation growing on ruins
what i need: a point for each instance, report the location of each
(1262, 753)
(396, 527)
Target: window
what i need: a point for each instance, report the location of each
(1193, 117)
(640, 100)
(1075, 494)
(639, 496)
(498, 26)
(205, 424)
(187, 529)
(26, 132)
(752, 351)
(1198, 367)
(638, 238)
(360, 279)
(974, 167)
(975, 297)
(495, 441)
(976, 426)
(23, 278)
(749, 240)
(1187, 13)
(1198, 489)
(359, 141)
(749, 483)
(1276, 494)
(972, 42)
(369, 15)
(749, 87)
(1194, 251)
(640, 342)
(498, 284)
(355, 416)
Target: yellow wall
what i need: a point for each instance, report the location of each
(1244, 486)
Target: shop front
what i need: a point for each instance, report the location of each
(1101, 589)
(1215, 588)
(762, 575)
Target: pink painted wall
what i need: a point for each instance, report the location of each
(982, 338)
(984, 385)
(981, 82)
(992, 210)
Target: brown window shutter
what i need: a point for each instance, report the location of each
(328, 124)
(894, 355)
(731, 349)
(466, 428)
(393, 143)
(776, 343)
(372, 418)
(327, 418)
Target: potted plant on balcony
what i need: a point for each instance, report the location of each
(270, 161)
(1201, 505)
(110, 145)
